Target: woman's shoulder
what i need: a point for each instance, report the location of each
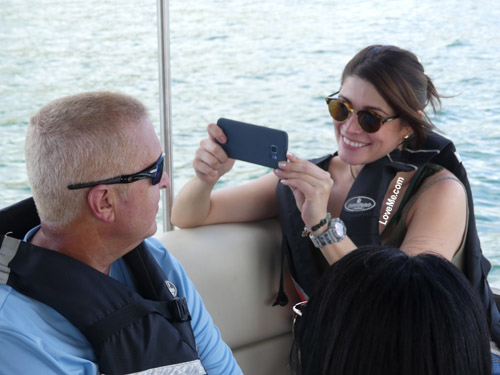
(435, 174)
(437, 215)
(439, 188)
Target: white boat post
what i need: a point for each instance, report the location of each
(165, 105)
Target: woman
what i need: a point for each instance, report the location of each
(393, 181)
(378, 311)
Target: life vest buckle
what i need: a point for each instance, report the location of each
(179, 309)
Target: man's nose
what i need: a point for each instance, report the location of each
(164, 182)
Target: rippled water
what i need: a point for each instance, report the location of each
(258, 61)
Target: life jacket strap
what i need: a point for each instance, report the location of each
(175, 310)
(282, 298)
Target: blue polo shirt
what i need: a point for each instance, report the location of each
(36, 339)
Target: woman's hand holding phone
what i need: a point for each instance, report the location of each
(311, 187)
(211, 161)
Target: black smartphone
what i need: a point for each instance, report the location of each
(254, 143)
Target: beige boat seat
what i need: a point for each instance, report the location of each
(236, 270)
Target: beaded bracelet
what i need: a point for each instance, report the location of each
(308, 231)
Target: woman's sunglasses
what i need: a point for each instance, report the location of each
(369, 121)
(154, 172)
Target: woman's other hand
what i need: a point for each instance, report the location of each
(211, 161)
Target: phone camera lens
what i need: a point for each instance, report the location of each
(274, 152)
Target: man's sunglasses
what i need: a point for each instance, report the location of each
(369, 121)
(154, 171)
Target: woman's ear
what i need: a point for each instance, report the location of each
(408, 130)
(101, 201)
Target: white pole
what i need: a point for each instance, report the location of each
(165, 105)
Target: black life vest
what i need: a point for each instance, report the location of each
(129, 331)
(361, 214)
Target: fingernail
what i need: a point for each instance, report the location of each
(290, 154)
(282, 164)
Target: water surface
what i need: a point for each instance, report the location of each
(269, 63)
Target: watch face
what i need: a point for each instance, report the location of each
(339, 229)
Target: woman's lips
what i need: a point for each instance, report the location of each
(354, 144)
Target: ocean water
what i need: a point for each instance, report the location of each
(268, 63)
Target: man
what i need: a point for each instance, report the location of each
(88, 291)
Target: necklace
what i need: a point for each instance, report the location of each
(352, 173)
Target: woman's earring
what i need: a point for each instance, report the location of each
(406, 136)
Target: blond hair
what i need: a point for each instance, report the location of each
(80, 138)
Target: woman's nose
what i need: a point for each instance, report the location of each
(352, 125)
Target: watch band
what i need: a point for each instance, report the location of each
(336, 232)
(314, 228)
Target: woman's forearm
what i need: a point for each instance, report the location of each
(336, 251)
(192, 206)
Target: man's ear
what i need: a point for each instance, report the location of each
(101, 201)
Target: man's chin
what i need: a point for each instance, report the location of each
(152, 230)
